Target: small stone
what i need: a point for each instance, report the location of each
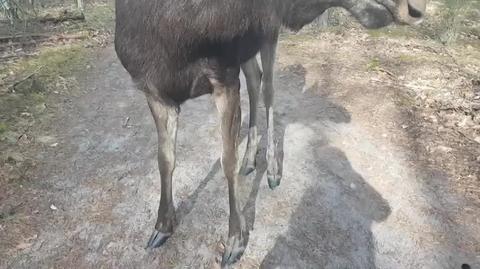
(54, 145)
(444, 149)
(220, 247)
(465, 122)
(477, 139)
(23, 245)
(23, 139)
(46, 139)
(53, 207)
(404, 126)
(216, 264)
(41, 107)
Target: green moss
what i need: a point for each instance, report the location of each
(34, 79)
(52, 63)
(97, 17)
(297, 37)
(406, 58)
(377, 33)
(101, 16)
(373, 65)
(395, 32)
(404, 100)
(3, 128)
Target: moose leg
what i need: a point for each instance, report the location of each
(268, 59)
(253, 76)
(227, 100)
(165, 116)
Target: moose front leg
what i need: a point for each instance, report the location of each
(227, 100)
(166, 117)
(267, 54)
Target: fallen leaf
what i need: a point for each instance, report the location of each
(27, 243)
(23, 246)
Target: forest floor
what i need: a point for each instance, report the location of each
(379, 133)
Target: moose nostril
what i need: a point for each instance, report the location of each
(413, 12)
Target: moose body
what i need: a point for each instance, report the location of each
(176, 50)
(178, 46)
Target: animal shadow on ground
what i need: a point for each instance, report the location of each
(186, 205)
(250, 183)
(331, 227)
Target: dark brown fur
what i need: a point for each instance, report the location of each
(176, 44)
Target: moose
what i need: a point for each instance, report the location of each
(175, 50)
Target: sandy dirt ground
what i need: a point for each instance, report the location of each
(354, 193)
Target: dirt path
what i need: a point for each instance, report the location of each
(351, 196)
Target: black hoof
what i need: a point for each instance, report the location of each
(248, 169)
(233, 251)
(157, 239)
(273, 181)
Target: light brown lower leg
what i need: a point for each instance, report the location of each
(166, 117)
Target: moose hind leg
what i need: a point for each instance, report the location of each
(166, 117)
(227, 100)
(268, 59)
(253, 76)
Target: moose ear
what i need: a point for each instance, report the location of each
(371, 14)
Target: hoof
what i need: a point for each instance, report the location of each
(273, 180)
(157, 239)
(248, 169)
(248, 165)
(233, 251)
(249, 161)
